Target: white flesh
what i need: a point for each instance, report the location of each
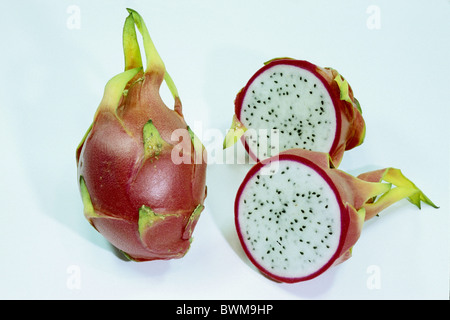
(293, 101)
(290, 220)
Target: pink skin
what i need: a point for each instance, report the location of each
(120, 180)
(350, 129)
(354, 196)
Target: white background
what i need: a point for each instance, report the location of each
(52, 79)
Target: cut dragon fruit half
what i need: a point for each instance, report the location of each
(295, 232)
(296, 215)
(309, 107)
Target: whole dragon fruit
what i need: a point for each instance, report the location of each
(135, 190)
(309, 107)
(296, 215)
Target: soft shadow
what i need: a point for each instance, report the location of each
(153, 269)
(225, 179)
(118, 253)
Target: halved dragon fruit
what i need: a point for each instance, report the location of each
(296, 215)
(134, 192)
(309, 107)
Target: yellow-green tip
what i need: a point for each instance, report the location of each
(153, 143)
(236, 131)
(404, 189)
(343, 87)
(132, 52)
(154, 61)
